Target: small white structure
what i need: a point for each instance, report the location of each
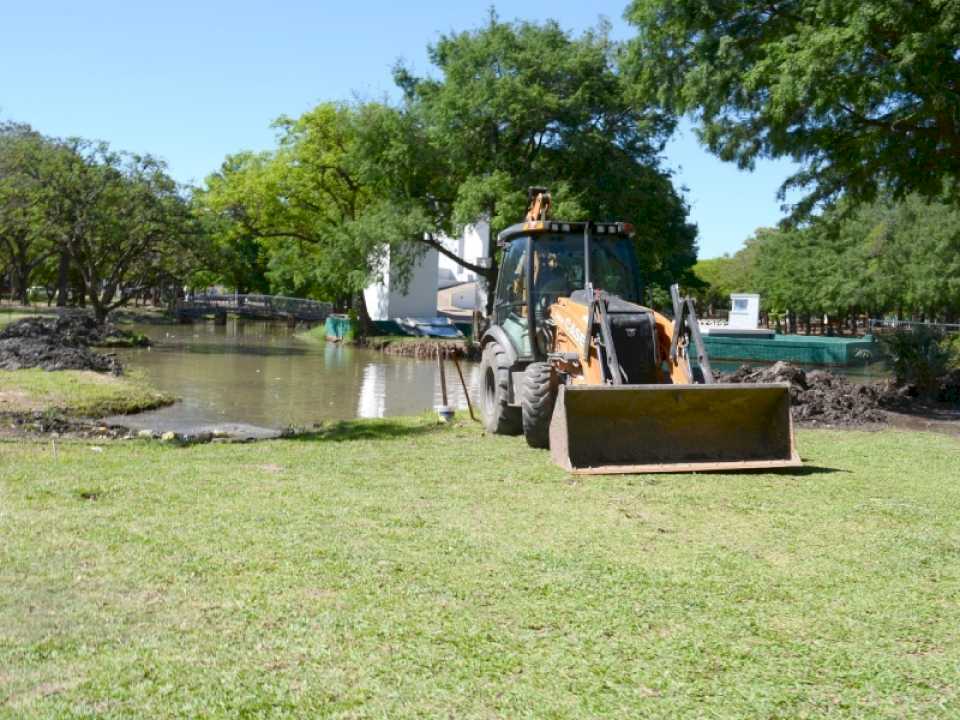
(434, 272)
(744, 311)
(387, 300)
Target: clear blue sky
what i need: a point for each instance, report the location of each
(193, 81)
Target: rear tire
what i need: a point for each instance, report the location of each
(539, 393)
(498, 417)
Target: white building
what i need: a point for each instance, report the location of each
(434, 272)
(387, 299)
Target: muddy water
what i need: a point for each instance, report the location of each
(260, 374)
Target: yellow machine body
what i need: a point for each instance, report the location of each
(673, 425)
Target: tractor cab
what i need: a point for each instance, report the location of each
(544, 261)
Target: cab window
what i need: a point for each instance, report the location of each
(511, 307)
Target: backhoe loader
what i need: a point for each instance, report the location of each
(575, 363)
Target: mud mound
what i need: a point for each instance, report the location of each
(819, 397)
(57, 343)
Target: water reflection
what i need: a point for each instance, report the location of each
(259, 373)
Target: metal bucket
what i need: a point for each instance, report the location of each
(672, 428)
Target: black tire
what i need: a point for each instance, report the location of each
(539, 393)
(498, 417)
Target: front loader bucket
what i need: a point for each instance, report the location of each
(672, 428)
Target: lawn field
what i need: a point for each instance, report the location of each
(76, 392)
(394, 569)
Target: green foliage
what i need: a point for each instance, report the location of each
(719, 277)
(521, 104)
(919, 356)
(28, 232)
(114, 223)
(307, 211)
(885, 257)
(863, 94)
(951, 345)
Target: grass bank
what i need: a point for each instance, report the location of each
(394, 569)
(76, 392)
(316, 334)
(405, 345)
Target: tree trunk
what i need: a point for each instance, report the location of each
(63, 278)
(363, 316)
(21, 278)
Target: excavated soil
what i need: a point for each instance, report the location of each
(59, 343)
(821, 398)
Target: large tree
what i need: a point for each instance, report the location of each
(313, 204)
(352, 187)
(864, 94)
(125, 223)
(520, 104)
(27, 233)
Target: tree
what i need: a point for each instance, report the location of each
(26, 237)
(521, 104)
(312, 207)
(864, 95)
(123, 221)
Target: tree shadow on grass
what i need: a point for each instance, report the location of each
(346, 430)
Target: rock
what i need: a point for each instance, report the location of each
(169, 436)
(146, 434)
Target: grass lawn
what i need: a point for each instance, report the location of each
(394, 569)
(76, 392)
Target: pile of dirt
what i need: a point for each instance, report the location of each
(819, 397)
(61, 342)
(423, 348)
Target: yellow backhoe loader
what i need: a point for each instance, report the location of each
(575, 363)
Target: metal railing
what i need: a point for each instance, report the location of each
(262, 305)
(890, 324)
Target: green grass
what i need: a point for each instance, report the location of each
(316, 334)
(394, 569)
(76, 392)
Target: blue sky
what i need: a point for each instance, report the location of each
(193, 81)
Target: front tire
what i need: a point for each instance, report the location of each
(499, 417)
(537, 401)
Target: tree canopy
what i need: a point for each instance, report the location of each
(886, 257)
(510, 105)
(864, 94)
(106, 222)
(521, 104)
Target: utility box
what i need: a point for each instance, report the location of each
(744, 311)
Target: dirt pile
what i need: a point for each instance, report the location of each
(60, 343)
(819, 397)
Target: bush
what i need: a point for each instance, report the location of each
(952, 345)
(920, 356)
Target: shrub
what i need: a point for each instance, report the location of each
(919, 356)
(952, 345)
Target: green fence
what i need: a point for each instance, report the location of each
(808, 350)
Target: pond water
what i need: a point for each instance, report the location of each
(260, 374)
